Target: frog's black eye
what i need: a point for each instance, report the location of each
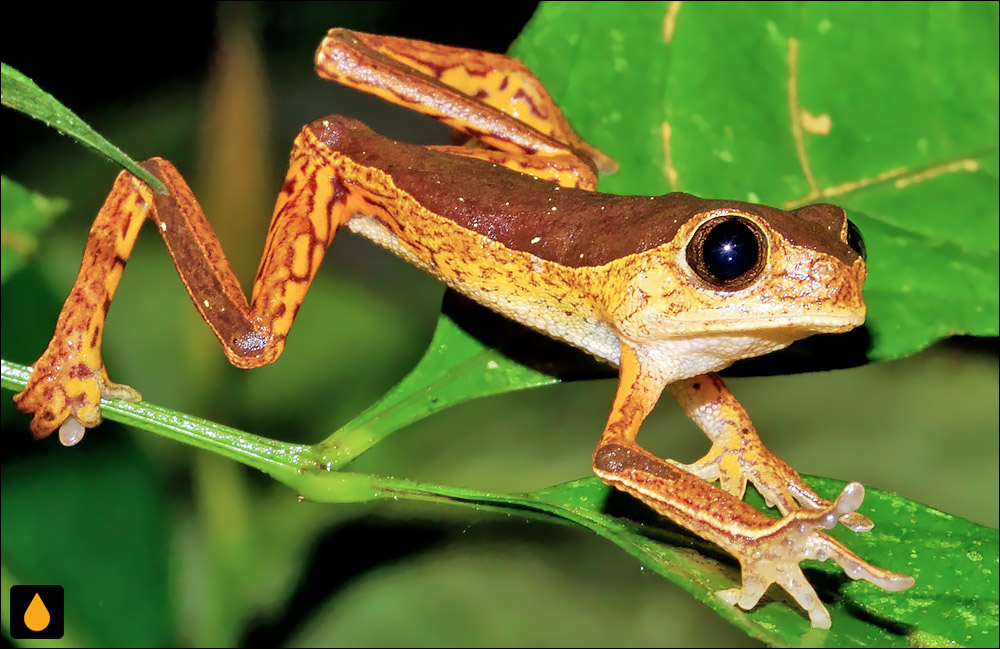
(728, 252)
(856, 241)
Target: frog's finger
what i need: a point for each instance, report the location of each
(806, 497)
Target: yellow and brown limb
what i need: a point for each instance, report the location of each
(769, 550)
(69, 378)
(512, 112)
(738, 454)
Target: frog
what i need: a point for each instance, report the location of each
(669, 289)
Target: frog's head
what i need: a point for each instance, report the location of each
(747, 271)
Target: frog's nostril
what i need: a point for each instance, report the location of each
(855, 240)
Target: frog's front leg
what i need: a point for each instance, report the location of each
(768, 550)
(738, 455)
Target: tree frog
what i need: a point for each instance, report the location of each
(670, 289)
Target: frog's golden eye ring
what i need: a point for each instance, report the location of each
(728, 252)
(856, 241)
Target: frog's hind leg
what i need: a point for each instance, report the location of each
(491, 98)
(69, 379)
(738, 454)
(769, 550)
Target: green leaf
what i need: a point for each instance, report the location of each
(456, 368)
(25, 215)
(23, 94)
(954, 561)
(888, 110)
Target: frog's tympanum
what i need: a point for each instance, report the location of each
(670, 289)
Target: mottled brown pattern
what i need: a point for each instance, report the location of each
(68, 377)
(536, 111)
(199, 260)
(613, 458)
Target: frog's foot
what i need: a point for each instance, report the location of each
(734, 460)
(772, 556)
(64, 392)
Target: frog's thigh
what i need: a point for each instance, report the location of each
(490, 98)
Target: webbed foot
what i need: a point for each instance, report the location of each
(65, 392)
(773, 556)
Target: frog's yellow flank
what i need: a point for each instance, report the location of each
(669, 289)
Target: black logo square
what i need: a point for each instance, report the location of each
(36, 612)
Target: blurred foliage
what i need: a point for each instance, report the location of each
(26, 215)
(225, 557)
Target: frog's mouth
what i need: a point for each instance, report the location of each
(820, 323)
(802, 324)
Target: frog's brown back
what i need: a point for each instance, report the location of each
(571, 227)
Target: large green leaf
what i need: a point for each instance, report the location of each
(887, 109)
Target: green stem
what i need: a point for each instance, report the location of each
(270, 456)
(306, 469)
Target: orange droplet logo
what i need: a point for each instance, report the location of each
(36, 617)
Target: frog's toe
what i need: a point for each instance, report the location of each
(53, 407)
(71, 432)
(800, 590)
(64, 393)
(790, 578)
(774, 556)
(746, 597)
(112, 390)
(821, 547)
(120, 391)
(857, 568)
(718, 465)
(857, 522)
(850, 498)
(706, 468)
(45, 401)
(799, 492)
